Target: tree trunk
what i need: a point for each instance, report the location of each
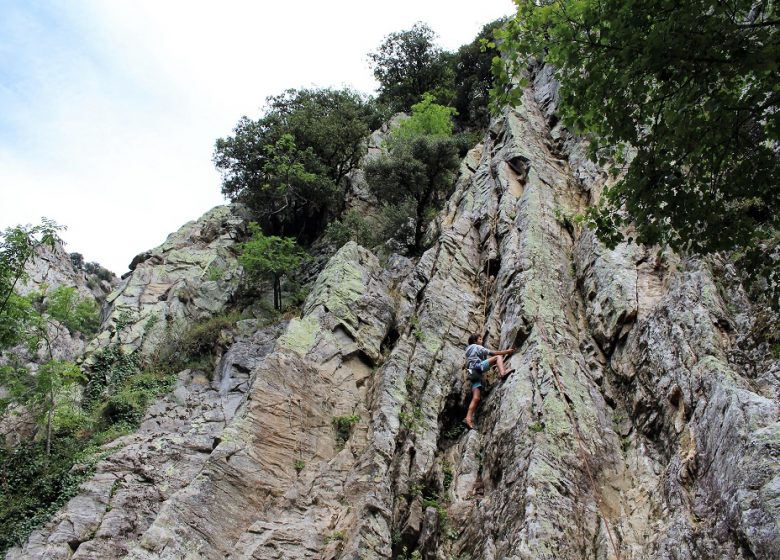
(49, 422)
(418, 226)
(277, 293)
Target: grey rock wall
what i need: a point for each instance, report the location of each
(639, 424)
(192, 276)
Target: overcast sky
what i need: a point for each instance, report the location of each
(109, 109)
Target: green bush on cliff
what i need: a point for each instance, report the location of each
(268, 257)
(77, 314)
(351, 227)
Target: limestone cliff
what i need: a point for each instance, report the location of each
(640, 422)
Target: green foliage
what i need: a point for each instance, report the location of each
(766, 330)
(351, 227)
(215, 273)
(408, 64)
(454, 431)
(397, 223)
(415, 176)
(335, 536)
(34, 484)
(203, 338)
(448, 474)
(404, 555)
(40, 475)
(472, 65)
(417, 331)
(299, 465)
(289, 165)
(692, 87)
(111, 366)
(77, 314)
(411, 420)
(197, 347)
(440, 510)
(94, 269)
(126, 407)
(18, 247)
(35, 480)
(536, 427)
(123, 319)
(269, 257)
(416, 489)
(343, 426)
(16, 319)
(427, 119)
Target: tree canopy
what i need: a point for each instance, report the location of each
(288, 166)
(408, 64)
(684, 95)
(415, 175)
(473, 78)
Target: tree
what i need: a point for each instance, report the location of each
(472, 67)
(18, 247)
(690, 88)
(417, 171)
(269, 257)
(408, 64)
(289, 166)
(40, 392)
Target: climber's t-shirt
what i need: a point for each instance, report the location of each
(476, 357)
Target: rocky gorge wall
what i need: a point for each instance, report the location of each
(640, 421)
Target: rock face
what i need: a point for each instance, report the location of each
(53, 267)
(144, 469)
(191, 276)
(634, 427)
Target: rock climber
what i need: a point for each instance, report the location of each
(479, 360)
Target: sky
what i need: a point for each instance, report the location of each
(109, 109)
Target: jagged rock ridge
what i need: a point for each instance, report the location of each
(633, 428)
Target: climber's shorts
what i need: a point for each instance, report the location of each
(475, 374)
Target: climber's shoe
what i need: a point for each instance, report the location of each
(508, 373)
(468, 423)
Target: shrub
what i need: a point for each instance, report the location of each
(351, 227)
(343, 426)
(77, 314)
(110, 367)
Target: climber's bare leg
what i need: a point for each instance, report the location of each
(476, 395)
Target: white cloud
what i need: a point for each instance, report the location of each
(110, 109)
